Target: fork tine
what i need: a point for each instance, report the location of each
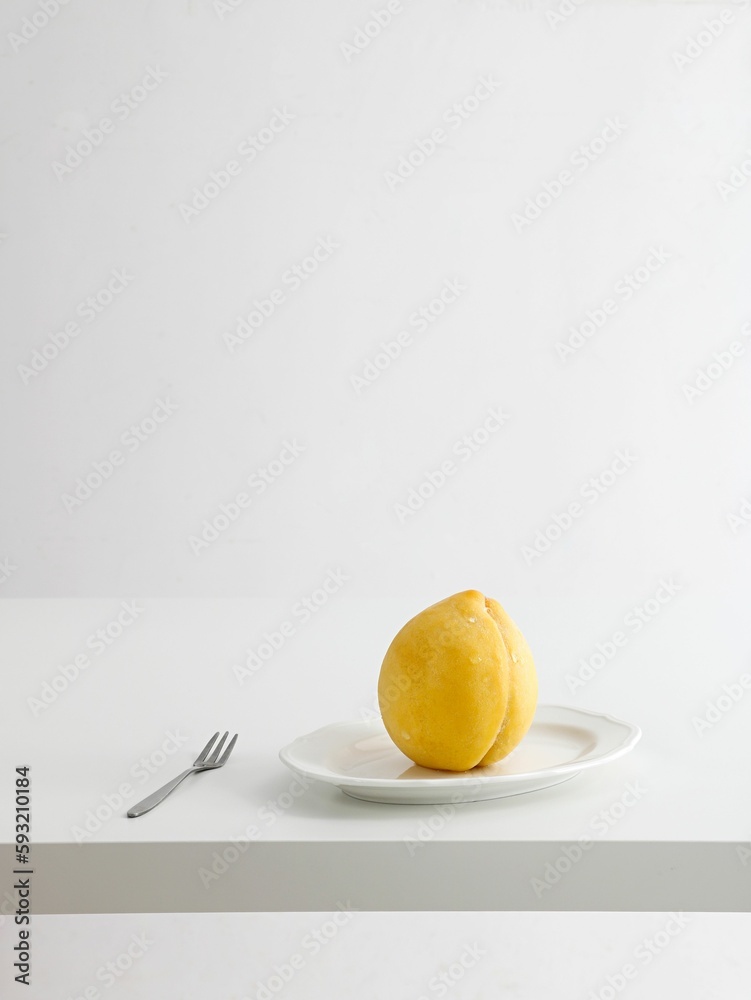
(230, 747)
(217, 749)
(202, 755)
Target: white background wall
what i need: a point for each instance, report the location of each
(568, 956)
(324, 176)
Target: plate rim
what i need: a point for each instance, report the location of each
(631, 738)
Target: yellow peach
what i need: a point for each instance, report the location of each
(458, 686)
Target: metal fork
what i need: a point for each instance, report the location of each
(203, 762)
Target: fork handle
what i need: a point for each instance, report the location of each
(156, 797)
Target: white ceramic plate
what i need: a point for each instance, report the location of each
(360, 758)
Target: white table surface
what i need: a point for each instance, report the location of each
(171, 672)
